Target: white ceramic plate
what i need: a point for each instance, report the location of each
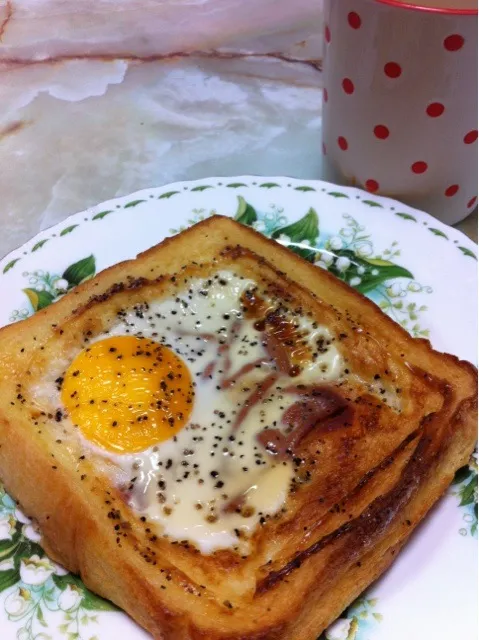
(419, 271)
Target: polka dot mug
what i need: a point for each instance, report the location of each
(400, 102)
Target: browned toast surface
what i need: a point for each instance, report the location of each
(371, 444)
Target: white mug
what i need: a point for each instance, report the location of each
(400, 102)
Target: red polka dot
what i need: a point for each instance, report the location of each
(472, 202)
(354, 20)
(327, 34)
(435, 109)
(348, 86)
(392, 69)
(470, 137)
(325, 94)
(454, 42)
(371, 185)
(324, 149)
(342, 143)
(452, 190)
(419, 167)
(381, 132)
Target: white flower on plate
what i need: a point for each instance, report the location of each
(7, 565)
(395, 290)
(283, 238)
(41, 287)
(414, 286)
(364, 250)
(18, 602)
(335, 243)
(58, 569)
(375, 272)
(7, 527)
(321, 264)
(343, 264)
(361, 270)
(259, 225)
(339, 630)
(24, 634)
(70, 598)
(61, 284)
(31, 532)
(21, 517)
(35, 570)
(347, 233)
(355, 281)
(326, 257)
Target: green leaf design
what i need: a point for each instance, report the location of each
(305, 229)
(235, 185)
(468, 252)
(406, 216)
(462, 474)
(80, 271)
(101, 215)
(90, 601)
(269, 185)
(370, 281)
(338, 194)
(7, 547)
(39, 299)
(39, 244)
(10, 265)
(8, 578)
(202, 187)
(305, 188)
(68, 229)
(467, 493)
(372, 203)
(245, 212)
(133, 203)
(438, 232)
(378, 262)
(40, 617)
(384, 269)
(168, 194)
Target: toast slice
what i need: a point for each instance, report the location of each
(358, 429)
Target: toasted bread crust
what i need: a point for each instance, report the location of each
(312, 577)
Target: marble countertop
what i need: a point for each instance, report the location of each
(77, 129)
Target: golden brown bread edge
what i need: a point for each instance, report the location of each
(72, 534)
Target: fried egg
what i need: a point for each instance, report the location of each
(177, 396)
(127, 393)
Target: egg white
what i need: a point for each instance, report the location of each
(184, 484)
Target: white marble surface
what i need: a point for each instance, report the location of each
(78, 128)
(148, 123)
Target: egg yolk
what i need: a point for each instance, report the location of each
(126, 394)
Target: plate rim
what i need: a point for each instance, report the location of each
(50, 230)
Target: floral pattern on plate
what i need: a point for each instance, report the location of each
(40, 600)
